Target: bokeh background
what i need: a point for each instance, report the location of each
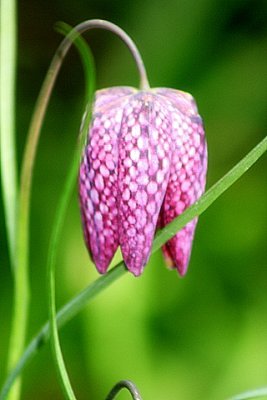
(200, 337)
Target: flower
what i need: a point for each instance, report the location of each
(144, 163)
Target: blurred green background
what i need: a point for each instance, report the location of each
(201, 337)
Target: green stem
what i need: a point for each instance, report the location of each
(21, 300)
(57, 227)
(8, 45)
(8, 171)
(60, 215)
(89, 73)
(124, 384)
(64, 315)
(22, 290)
(19, 321)
(74, 306)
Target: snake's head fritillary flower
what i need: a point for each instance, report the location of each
(144, 163)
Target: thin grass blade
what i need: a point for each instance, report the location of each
(8, 44)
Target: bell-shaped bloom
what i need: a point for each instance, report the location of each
(144, 163)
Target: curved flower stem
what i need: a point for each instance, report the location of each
(58, 224)
(75, 305)
(21, 295)
(124, 384)
(106, 25)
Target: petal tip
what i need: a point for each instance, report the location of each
(182, 270)
(134, 264)
(102, 270)
(176, 256)
(135, 270)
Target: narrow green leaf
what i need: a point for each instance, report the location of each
(211, 195)
(8, 44)
(8, 39)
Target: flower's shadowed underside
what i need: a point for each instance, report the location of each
(144, 163)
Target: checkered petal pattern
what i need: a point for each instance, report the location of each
(144, 163)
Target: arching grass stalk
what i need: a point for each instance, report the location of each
(75, 305)
(21, 290)
(63, 375)
(60, 215)
(21, 294)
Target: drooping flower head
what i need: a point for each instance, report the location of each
(144, 163)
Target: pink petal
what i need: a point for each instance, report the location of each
(187, 178)
(145, 157)
(182, 101)
(98, 178)
(111, 97)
